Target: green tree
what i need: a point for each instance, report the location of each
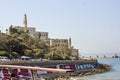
(28, 52)
(15, 55)
(3, 53)
(3, 42)
(12, 30)
(37, 52)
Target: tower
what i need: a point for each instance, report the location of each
(69, 43)
(25, 22)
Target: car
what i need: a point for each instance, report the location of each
(4, 58)
(25, 58)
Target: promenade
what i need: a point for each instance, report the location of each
(46, 63)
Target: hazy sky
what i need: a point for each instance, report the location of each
(93, 25)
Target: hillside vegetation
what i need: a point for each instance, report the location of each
(19, 43)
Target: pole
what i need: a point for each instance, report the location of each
(34, 74)
(67, 76)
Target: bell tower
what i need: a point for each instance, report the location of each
(25, 22)
(69, 43)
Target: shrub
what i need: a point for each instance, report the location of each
(4, 53)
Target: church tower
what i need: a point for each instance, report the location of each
(25, 22)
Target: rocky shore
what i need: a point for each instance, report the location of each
(57, 76)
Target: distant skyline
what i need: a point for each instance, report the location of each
(93, 25)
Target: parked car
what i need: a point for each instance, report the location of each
(25, 58)
(4, 58)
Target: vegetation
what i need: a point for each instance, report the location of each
(19, 43)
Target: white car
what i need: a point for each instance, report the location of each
(3, 58)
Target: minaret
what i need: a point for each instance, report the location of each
(25, 22)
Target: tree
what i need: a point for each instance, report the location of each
(15, 35)
(24, 37)
(39, 35)
(12, 30)
(37, 52)
(28, 52)
(21, 31)
(3, 53)
(3, 42)
(15, 54)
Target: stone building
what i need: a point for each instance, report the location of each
(61, 44)
(58, 44)
(31, 30)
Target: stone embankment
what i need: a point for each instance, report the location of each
(100, 69)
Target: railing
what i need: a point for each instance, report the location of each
(34, 69)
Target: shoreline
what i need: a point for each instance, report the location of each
(100, 69)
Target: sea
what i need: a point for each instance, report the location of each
(113, 74)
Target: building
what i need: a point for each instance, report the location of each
(58, 44)
(62, 44)
(31, 30)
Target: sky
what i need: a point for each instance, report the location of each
(93, 25)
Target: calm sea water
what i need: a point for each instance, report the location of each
(114, 74)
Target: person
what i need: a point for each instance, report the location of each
(1, 75)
